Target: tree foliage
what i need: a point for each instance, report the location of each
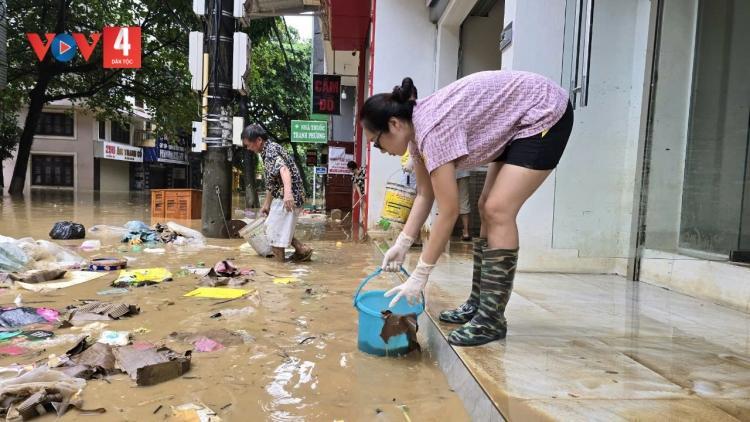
(280, 83)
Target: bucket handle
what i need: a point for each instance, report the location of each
(370, 277)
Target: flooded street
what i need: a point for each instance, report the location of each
(302, 362)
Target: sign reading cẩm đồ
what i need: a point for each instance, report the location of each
(326, 94)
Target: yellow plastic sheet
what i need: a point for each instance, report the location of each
(284, 280)
(144, 274)
(217, 293)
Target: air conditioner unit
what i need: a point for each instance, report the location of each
(240, 12)
(240, 62)
(238, 125)
(199, 7)
(196, 61)
(197, 137)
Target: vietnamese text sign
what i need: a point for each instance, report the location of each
(337, 161)
(121, 152)
(326, 94)
(310, 131)
(320, 170)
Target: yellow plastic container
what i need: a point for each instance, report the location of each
(398, 202)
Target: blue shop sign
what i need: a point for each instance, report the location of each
(167, 151)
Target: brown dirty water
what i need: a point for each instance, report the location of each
(303, 364)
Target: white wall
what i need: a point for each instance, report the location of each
(594, 182)
(82, 146)
(481, 41)
(114, 175)
(404, 46)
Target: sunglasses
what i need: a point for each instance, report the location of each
(376, 142)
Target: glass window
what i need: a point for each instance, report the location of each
(102, 130)
(120, 134)
(52, 170)
(55, 124)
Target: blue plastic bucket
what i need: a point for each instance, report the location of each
(369, 304)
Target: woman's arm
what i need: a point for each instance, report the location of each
(423, 202)
(447, 199)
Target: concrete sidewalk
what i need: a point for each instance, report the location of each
(593, 347)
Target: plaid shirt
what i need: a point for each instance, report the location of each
(275, 157)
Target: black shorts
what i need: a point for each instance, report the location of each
(541, 151)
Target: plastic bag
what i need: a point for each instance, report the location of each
(60, 258)
(17, 317)
(134, 226)
(94, 245)
(115, 338)
(13, 258)
(192, 235)
(108, 231)
(33, 250)
(39, 378)
(64, 230)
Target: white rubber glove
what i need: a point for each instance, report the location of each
(413, 287)
(396, 255)
(408, 165)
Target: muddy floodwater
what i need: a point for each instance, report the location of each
(303, 364)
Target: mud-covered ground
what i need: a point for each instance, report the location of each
(303, 364)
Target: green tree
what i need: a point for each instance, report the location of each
(279, 88)
(10, 134)
(163, 81)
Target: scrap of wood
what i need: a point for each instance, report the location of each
(169, 397)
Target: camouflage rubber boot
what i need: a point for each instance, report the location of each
(466, 312)
(489, 324)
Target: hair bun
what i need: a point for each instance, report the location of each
(405, 91)
(397, 94)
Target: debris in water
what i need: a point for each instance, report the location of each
(113, 292)
(96, 311)
(284, 280)
(16, 317)
(152, 366)
(158, 409)
(169, 397)
(146, 276)
(207, 345)
(94, 326)
(41, 391)
(141, 330)
(115, 338)
(217, 293)
(397, 324)
(12, 350)
(194, 412)
(224, 273)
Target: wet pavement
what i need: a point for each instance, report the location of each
(595, 347)
(303, 364)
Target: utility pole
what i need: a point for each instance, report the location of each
(217, 158)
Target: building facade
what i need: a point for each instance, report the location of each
(74, 151)
(652, 184)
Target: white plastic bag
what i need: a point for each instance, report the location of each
(108, 231)
(13, 258)
(193, 236)
(91, 245)
(115, 338)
